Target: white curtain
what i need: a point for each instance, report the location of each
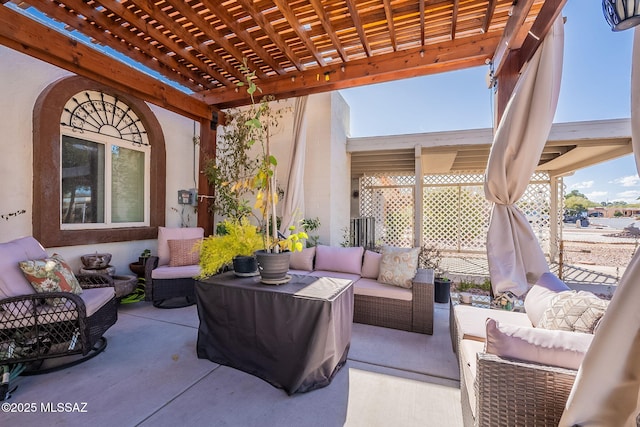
(513, 251)
(293, 208)
(607, 389)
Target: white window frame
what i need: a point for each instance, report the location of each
(109, 142)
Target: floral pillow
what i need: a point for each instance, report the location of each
(398, 266)
(51, 274)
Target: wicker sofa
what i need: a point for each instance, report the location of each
(520, 374)
(35, 326)
(375, 303)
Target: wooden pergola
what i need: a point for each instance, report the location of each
(195, 48)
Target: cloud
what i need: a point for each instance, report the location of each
(583, 184)
(596, 195)
(630, 196)
(627, 181)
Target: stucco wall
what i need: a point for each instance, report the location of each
(326, 173)
(23, 79)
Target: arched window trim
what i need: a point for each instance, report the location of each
(47, 114)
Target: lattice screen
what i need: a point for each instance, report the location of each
(455, 211)
(389, 199)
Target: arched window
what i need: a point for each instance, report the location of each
(99, 166)
(105, 164)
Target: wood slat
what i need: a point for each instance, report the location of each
(292, 45)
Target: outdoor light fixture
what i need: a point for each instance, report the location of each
(621, 14)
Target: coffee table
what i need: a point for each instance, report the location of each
(295, 336)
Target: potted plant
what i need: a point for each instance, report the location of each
(273, 260)
(430, 257)
(236, 239)
(144, 256)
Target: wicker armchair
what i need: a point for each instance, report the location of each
(414, 316)
(33, 328)
(167, 286)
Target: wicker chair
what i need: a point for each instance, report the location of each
(166, 286)
(414, 316)
(35, 327)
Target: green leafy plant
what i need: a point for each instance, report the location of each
(240, 238)
(309, 225)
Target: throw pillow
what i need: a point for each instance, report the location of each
(50, 274)
(302, 260)
(184, 252)
(555, 348)
(339, 259)
(371, 265)
(398, 266)
(574, 311)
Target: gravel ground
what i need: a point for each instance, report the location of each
(598, 253)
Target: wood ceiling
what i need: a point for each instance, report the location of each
(295, 47)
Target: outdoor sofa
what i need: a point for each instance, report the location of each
(407, 304)
(46, 311)
(517, 369)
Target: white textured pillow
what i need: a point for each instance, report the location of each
(541, 295)
(555, 348)
(302, 260)
(574, 311)
(398, 266)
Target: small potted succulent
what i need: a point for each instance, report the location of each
(144, 256)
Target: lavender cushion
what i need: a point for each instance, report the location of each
(371, 265)
(337, 258)
(302, 260)
(555, 348)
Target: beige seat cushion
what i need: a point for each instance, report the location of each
(468, 350)
(335, 274)
(182, 272)
(471, 321)
(95, 298)
(373, 288)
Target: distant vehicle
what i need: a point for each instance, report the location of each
(596, 214)
(572, 219)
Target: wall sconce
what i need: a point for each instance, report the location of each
(621, 14)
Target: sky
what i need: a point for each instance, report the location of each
(595, 85)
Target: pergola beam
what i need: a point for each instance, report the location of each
(34, 39)
(431, 59)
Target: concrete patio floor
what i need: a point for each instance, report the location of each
(149, 375)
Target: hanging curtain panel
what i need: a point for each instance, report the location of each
(513, 252)
(607, 388)
(293, 208)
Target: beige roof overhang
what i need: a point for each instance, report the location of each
(571, 146)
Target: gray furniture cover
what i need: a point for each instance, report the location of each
(295, 336)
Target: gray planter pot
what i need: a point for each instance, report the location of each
(273, 267)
